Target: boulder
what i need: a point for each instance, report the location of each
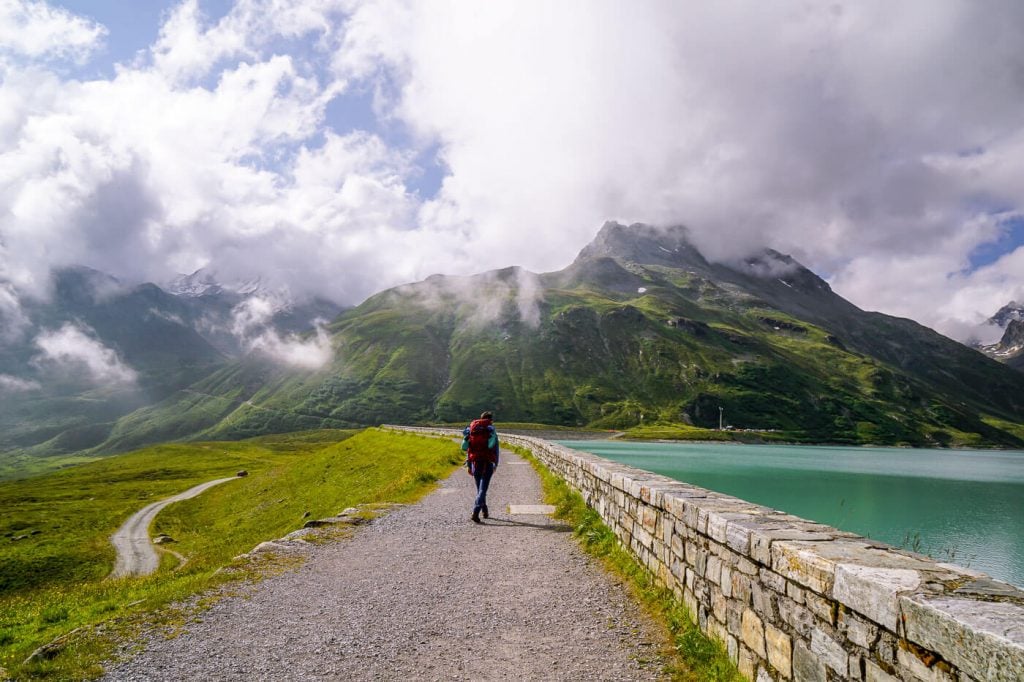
(163, 539)
(242, 474)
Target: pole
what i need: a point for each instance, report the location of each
(721, 411)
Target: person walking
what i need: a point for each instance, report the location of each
(480, 443)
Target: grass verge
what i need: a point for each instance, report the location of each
(694, 657)
(53, 582)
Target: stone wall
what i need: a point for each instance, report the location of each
(792, 599)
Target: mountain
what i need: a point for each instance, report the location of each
(97, 349)
(1010, 312)
(639, 329)
(1010, 348)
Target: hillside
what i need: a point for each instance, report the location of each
(639, 329)
(97, 349)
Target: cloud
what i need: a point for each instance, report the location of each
(73, 348)
(13, 384)
(870, 141)
(252, 324)
(37, 30)
(303, 353)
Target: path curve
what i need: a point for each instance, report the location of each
(423, 593)
(135, 553)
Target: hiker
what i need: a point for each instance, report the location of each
(480, 443)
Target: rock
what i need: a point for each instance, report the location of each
(780, 648)
(35, 532)
(306, 515)
(983, 639)
(163, 539)
(50, 649)
(19, 537)
(242, 474)
(874, 592)
(753, 632)
(319, 523)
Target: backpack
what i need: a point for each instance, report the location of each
(479, 439)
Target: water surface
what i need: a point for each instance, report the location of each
(962, 506)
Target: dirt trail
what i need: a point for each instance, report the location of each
(135, 553)
(423, 593)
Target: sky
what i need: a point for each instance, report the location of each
(338, 147)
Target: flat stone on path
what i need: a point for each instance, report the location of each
(531, 509)
(424, 593)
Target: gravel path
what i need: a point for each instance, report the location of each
(425, 594)
(135, 553)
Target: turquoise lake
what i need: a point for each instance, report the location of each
(964, 507)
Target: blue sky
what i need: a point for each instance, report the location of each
(338, 147)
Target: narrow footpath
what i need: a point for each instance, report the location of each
(135, 553)
(423, 593)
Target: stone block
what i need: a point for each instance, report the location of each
(984, 639)
(747, 663)
(763, 675)
(772, 580)
(725, 583)
(752, 632)
(716, 630)
(874, 592)
(825, 609)
(779, 647)
(677, 546)
(745, 565)
(920, 672)
(732, 648)
(713, 572)
(874, 673)
(741, 586)
(718, 602)
(855, 667)
(734, 616)
(797, 617)
(829, 651)
(763, 602)
(806, 666)
(857, 630)
(794, 592)
(650, 519)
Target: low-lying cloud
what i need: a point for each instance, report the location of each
(13, 384)
(253, 325)
(73, 349)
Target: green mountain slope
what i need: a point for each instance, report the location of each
(640, 329)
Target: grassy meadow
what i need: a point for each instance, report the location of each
(55, 554)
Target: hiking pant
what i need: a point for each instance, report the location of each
(483, 481)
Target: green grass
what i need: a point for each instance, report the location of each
(54, 581)
(693, 656)
(676, 432)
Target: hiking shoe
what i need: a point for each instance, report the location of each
(484, 510)
(476, 516)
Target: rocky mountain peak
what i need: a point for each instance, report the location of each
(1008, 313)
(644, 244)
(1013, 337)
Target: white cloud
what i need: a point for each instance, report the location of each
(34, 29)
(13, 384)
(72, 348)
(836, 132)
(867, 139)
(252, 324)
(310, 353)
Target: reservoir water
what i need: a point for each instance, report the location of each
(962, 507)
